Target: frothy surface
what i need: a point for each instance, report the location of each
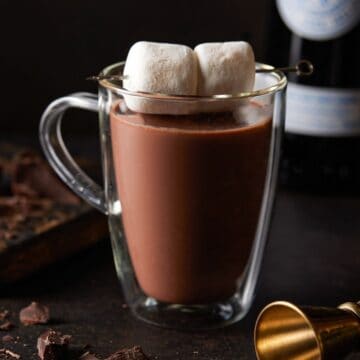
(242, 117)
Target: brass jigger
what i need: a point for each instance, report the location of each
(284, 331)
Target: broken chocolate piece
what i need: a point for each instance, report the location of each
(52, 345)
(134, 353)
(88, 356)
(7, 325)
(35, 313)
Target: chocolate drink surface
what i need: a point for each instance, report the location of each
(191, 190)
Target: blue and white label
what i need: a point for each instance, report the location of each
(320, 111)
(320, 19)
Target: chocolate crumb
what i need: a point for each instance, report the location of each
(134, 353)
(88, 356)
(52, 345)
(34, 314)
(6, 326)
(7, 338)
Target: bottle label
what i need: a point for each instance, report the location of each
(320, 111)
(319, 19)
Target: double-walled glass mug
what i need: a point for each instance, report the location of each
(188, 193)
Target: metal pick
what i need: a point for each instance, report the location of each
(302, 68)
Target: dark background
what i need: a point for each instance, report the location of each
(49, 47)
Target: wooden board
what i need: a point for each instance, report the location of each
(41, 220)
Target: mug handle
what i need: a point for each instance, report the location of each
(57, 154)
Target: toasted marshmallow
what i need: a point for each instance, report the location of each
(225, 68)
(160, 68)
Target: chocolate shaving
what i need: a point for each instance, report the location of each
(16, 213)
(32, 177)
(6, 354)
(34, 314)
(52, 345)
(12, 354)
(21, 216)
(22, 206)
(32, 198)
(88, 356)
(6, 326)
(134, 353)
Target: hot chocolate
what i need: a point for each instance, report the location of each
(191, 189)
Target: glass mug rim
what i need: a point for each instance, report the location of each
(117, 87)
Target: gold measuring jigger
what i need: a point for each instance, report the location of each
(284, 331)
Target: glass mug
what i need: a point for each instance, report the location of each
(188, 196)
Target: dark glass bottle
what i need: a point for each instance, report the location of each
(321, 150)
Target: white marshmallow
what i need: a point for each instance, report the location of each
(224, 68)
(160, 68)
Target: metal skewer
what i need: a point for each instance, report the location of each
(302, 68)
(107, 77)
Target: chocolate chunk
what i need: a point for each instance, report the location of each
(6, 354)
(52, 345)
(4, 314)
(7, 338)
(134, 353)
(33, 177)
(35, 313)
(7, 325)
(88, 356)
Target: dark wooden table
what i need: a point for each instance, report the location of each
(313, 257)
